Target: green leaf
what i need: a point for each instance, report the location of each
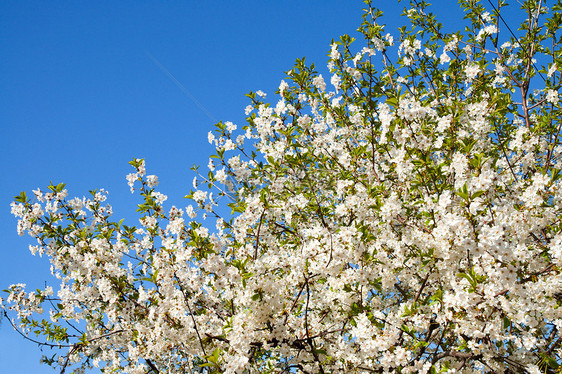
(213, 358)
(21, 198)
(463, 193)
(477, 194)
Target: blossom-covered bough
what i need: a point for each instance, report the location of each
(407, 221)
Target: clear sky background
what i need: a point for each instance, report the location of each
(80, 97)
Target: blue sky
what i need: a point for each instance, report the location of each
(81, 97)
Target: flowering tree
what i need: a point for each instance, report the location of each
(407, 221)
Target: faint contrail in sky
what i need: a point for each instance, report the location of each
(181, 87)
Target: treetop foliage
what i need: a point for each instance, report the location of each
(401, 215)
